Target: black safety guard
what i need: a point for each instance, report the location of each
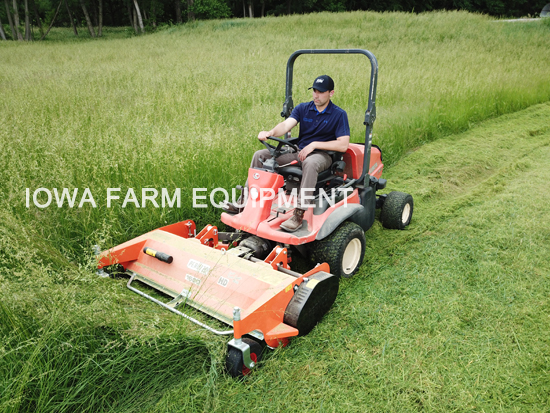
(311, 301)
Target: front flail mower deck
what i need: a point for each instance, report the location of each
(262, 299)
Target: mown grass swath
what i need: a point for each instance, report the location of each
(181, 109)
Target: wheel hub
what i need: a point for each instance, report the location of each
(406, 213)
(352, 255)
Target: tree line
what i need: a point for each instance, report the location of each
(27, 20)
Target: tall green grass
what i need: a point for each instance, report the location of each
(70, 341)
(181, 109)
(91, 368)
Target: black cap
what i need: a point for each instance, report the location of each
(323, 83)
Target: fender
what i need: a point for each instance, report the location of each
(336, 218)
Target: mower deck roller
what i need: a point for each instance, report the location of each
(260, 298)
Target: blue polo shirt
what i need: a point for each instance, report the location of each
(317, 126)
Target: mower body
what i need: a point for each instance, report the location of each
(262, 216)
(243, 277)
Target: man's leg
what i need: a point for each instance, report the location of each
(257, 162)
(264, 154)
(315, 162)
(258, 157)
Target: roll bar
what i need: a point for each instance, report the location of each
(370, 113)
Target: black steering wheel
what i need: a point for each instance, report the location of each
(278, 151)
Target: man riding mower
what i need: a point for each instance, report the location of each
(243, 277)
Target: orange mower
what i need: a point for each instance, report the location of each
(243, 278)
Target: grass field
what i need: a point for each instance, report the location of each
(451, 315)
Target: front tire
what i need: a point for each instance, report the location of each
(343, 250)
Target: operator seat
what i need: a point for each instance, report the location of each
(294, 173)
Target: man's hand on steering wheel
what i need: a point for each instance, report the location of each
(277, 151)
(263, 135)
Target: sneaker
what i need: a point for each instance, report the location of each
(295, 222)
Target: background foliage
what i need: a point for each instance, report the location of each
(157, 13)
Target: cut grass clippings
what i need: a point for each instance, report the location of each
(452, 314)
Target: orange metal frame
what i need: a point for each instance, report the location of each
(267, 311)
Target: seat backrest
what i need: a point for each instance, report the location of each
(336, 156)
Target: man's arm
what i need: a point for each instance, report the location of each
(339, 145)
(279, 130)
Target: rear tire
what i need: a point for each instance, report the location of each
(397, 210)
(234, 364)
(343, 250)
